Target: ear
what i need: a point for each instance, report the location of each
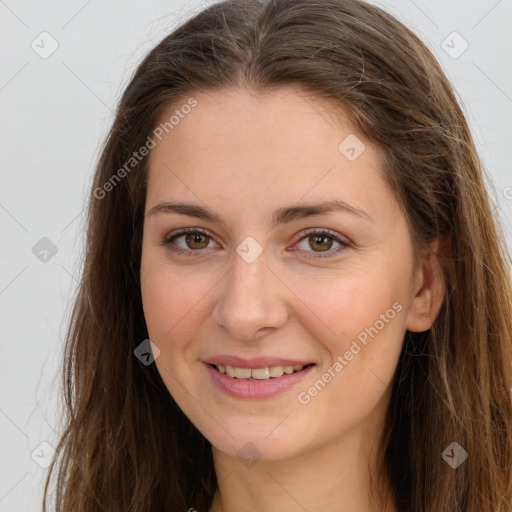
(429, 291)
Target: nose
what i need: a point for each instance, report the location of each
(252, 300)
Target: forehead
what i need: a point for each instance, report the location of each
(239, 115)
(262, 147)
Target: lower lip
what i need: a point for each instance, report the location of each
(253, 388)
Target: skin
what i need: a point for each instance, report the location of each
(244, 155)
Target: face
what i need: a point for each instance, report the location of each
(269, 279)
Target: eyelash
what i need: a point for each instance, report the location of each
(313, 231)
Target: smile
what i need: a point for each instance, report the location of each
(268, 372)
(256, 383)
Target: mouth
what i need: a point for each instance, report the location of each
(259, 382)
(265, 373)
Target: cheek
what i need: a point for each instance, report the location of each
(343, 305)
(173, 300)
(172, 306)
(362, 359)
(360, 316)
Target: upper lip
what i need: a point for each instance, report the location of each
(254, 362)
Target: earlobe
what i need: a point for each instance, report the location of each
(429, 292)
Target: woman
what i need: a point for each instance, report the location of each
(217, 359)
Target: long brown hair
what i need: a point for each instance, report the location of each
(126, 445)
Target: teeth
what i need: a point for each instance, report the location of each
(242, 373)
(276, 371)
(258, 373)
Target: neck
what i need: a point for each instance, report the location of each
(335, 478)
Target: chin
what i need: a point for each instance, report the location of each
(250, 450)
(265, 442)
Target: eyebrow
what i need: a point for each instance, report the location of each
(280, 216)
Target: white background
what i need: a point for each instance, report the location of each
(55, 113)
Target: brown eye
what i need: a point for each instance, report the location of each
(188, 241)
(191, 239)
(320, 242)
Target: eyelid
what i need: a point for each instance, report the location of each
(342, 240)
(323, 231)
(184, 231)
